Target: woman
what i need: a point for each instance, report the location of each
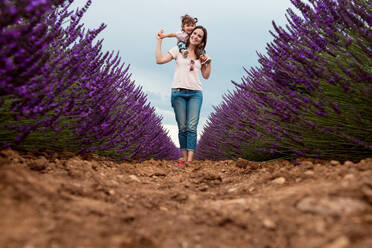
(187, 94)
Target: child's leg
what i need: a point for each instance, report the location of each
(181, 45)
(182, 48)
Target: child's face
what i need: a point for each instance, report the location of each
(188, 28)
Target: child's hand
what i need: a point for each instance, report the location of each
(160, 34)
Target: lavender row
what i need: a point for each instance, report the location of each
(311, 94)
(55, 77)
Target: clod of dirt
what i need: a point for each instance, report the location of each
(134, 178)
(349, 177)
(367, 191)
(348, 163)
(331, 206)
(268, 223)
(202, 187)
(307, 164)
(10, 156)
(340, 242)
(334, 163)
(38, 164)
(244, 164)
(158, 174)
(135, 241)
(279, 180)
(211, 177)
(179, 197)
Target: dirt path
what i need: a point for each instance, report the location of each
(57, 200)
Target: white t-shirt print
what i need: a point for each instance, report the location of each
(183, 77)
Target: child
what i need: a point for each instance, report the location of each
(187, 26)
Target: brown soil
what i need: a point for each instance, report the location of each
(62, 200)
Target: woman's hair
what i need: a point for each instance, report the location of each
(202, 44)
(186, 19)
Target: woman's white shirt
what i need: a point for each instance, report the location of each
(183, 77)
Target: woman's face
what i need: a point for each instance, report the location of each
(196, 36)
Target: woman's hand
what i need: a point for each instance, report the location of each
(206, 68)
(204, 57)
(159, 57)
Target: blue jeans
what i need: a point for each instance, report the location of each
(186, 105)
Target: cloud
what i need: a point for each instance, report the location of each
(168, 116)
(173, 133)
(152, 80)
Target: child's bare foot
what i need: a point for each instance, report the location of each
(185, 53)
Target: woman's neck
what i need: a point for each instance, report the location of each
(191, 49)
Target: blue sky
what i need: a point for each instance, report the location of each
(236, 30)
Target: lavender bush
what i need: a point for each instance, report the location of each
(311, 94)
(58, 90)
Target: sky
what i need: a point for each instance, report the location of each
(237, 29)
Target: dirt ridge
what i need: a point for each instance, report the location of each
(62, 200)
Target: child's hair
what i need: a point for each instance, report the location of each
(186, 19)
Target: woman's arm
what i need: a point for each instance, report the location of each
(161, 59)
(206, 69)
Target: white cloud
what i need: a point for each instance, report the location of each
(153, 81)
(168, 115)
(173, 133)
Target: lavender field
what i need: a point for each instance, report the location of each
(60, 91)
(310, 96)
